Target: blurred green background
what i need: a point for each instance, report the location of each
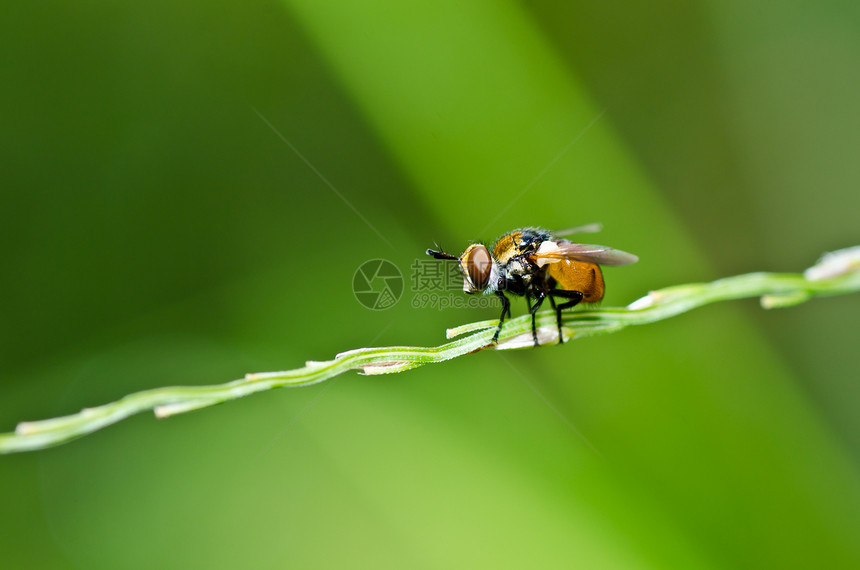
(156, 230)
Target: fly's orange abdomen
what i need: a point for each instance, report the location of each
(581, 276)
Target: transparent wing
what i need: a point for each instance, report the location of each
(586, 229)
(599, 254)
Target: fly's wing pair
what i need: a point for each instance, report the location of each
(561, 250)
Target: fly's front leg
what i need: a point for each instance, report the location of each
(539, 297)
(575, 297)
(506, 308)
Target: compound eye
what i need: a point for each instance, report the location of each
(478, 265)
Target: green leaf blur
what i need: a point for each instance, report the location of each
(188, 190)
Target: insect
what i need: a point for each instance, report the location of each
(535, 263)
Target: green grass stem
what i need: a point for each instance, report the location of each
(837, 273)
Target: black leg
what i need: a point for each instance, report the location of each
(574, 296)
(529, 306)
(539, 297)
(552, 302)
(506, 308)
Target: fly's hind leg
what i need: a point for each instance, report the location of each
(575, 297)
